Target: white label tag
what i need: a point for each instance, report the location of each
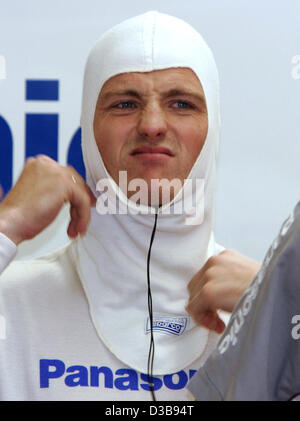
(171, 325)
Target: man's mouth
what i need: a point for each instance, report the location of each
(160, 150)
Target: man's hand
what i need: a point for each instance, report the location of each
(218, 286)
(39, 194)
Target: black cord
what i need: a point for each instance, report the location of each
(150, 310)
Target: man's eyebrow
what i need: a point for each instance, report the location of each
(166, 94)
(125, 92)
(185, 92)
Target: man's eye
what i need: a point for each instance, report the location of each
(182, 105)
(125, 105)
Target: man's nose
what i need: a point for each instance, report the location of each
(152, 125)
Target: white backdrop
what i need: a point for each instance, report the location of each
(256, 46)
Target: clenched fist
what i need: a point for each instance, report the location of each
(218, 286)
(42, 189)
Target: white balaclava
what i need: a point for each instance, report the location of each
(111, 258)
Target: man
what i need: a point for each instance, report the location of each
(80, 324)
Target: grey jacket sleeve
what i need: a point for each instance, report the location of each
(258, 356)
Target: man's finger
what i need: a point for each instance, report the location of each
(197, 281)
(71, 231)
(212, 321)
(80, 205)
(91, 196)
(77, 179)
(212, 296)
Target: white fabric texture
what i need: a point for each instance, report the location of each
(111, 257)
(49, 345)
(8, 251)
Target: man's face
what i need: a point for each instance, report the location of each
(152, 125)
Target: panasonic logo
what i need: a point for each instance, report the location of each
(53, 371)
